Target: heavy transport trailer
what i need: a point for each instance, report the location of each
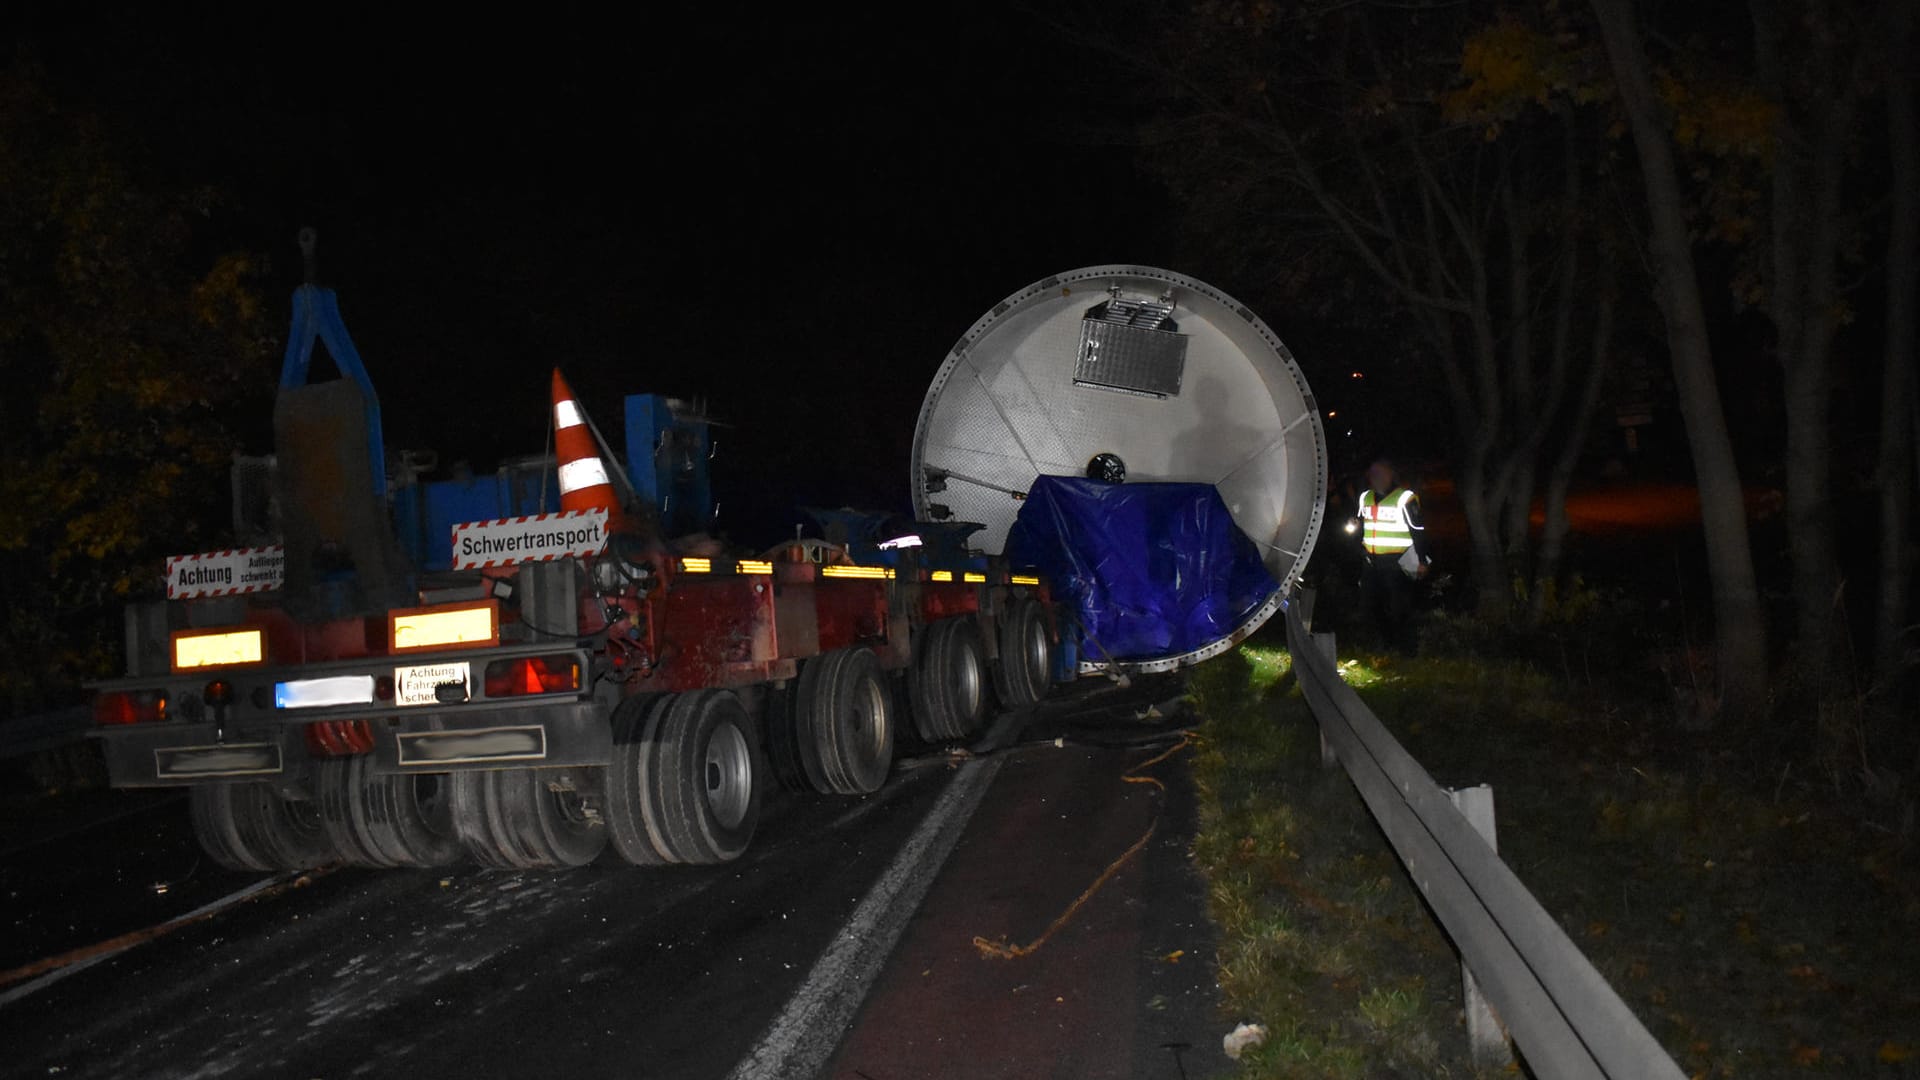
(417, 671)
(470, 727)
(530, 709)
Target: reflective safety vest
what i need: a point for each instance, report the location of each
(1384, 527)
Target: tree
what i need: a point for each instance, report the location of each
(1806, 63)
(1897, 403)
(1322, 136)
(1738, 618)
(126, 352)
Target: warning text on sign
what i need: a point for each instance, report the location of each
(529, 539)
(224, 573)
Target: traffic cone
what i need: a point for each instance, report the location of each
(584, 483)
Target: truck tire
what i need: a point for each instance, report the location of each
(412, 816)
(1025, 669)
(704, 798)
(479, 822)
(385, 821)
(847, 721)
(781, 739)
(520, 818)
(948, 681)
(211, 807)
(815, 679)
(630, 779)
(251, 827)
(339, 785)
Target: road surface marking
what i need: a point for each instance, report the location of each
(807, 1032)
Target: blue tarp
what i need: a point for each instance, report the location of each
(1148, 570)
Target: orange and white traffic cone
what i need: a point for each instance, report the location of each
(586, 485)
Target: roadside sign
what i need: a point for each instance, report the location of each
(226, 573)
(536, 538)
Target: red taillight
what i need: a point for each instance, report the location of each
(129, 707)
(339, 738)
(532, 675)
(218, 692)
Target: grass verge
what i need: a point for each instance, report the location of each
(1756, 929)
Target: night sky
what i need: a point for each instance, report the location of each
(793, 219)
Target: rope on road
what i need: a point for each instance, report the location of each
(1004, 950)
(86, 956)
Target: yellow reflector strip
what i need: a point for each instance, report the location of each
(696, 566)
(221, 648)
(973, 578)
(1025, 579)
(755, 566)
(943, 575)
(438, 628)
(856, 571)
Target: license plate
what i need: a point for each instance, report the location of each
(420, 684)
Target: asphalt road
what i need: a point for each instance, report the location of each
(604, 971)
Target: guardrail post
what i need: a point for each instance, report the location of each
(1485, 1035)
(1324, 642)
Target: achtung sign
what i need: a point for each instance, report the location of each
(538, 538)
(226, 573)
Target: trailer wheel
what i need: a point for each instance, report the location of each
(815, 687)
(847, 721)
(339, 784)
(703, 802)
(251, 827)
(529, 818)
(630, 780)
(480, 823)
(211, 807)
(413, 816)
(948, 683)
(1025, 670)
(780, 727)
(385, 821)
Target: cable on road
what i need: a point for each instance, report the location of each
(1003, 950)
(73, 960)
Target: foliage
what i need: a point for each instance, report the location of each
(126, 345)
(1426, 173)
(1751, 921)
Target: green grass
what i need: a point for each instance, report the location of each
(1322, 940)
(1755, 925)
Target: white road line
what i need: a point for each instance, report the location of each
(201, 912)
(808, 1031)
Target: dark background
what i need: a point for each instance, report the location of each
(790, 218)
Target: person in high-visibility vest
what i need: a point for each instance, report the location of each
(1395, 539)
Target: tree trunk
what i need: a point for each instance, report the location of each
(1517, 472)
(1897, 384)
(1809, 164)
(1738, 619)
(1519, 513)
(1491, 592)
(1553, 534)
(1480, 494)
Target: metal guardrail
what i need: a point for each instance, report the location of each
(25, 735)
(1564, 1017)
